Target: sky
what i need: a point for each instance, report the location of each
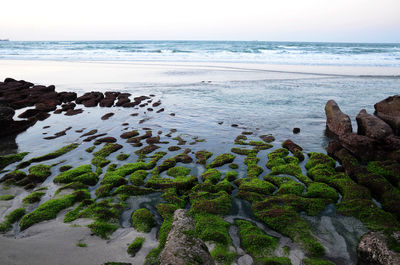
(278, 20)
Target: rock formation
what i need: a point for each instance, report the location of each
(373, 250)
(181, 248)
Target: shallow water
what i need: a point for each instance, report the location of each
(207, 110)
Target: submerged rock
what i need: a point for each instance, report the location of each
(373, 250)
(181, 248)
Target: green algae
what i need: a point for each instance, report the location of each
(233, 166)
(178, 171)
(99, 160)
(11, 218)
(146, 150)
(231, 175)
(49, 156)
(135, 246)
(180, 140)
(174, 148)
(81, 174)
(321, 190)
(34, 197)
(51, 208)
(171, 195)
(104, 190)
(90, 149)
(213, 203)
(255, 241)
(6, 197)
(72, 186)
(9, 159)
(211, 175)
(129, 190)
(102, 229)
(179, 182)
(122, 157)
(276, 261)
(316, 261)
(221, 160)
(143, 220)
(137, 178)
(65, 168)
(39, 173)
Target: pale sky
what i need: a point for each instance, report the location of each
(278, 20)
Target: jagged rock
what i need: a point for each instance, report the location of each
(389, 111)
(360, 145)
(181, 248)
(371, 126)
(337, 122)
(373, 250)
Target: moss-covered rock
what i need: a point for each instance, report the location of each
(221, 160)
(34, 197)
(52, 155)
(211, 175)
(39, 173)
(213, 203)
(129, 190)
(135, 246)
(202, 156)
(137, 178)
(11, 218)
(122, 157)
(102, 229)
(9, 159)
(104, 190)
(143, 220)
(51, 208)
(6, 197)
(321, 190)
(81, 174)
(178, 171)
(99, 156)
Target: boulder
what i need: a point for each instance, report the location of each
(371, 126)
(6, 114)
(181, 248)
(337, 123)
(389, 111)
(373, 250)
(361, 146)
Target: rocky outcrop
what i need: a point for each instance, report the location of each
(389, 111)
(371, 126)
(337, 123)
(373, 250)
(182, 248)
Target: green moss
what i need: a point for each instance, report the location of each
(90, 149)
(174, 148)
(166, 210)
(321, 190)
(221, 160)
(11, 218)
(316, 261)
(211, 175)
(143, 220)
(242, 151)
(104, 190)
(51, 208)
(72, 186)
(122, 157)
(99, 156)
(137, 178)
(180, 140)
(214, 203)
(181, 183)
(254, 240)
(291, 169)
(12, 177)
(231, 175)
(146, 150)
(171, 162)
(135, 246)
(318, 159)
(153, 257)
(130, 190)
(222, 255)
(234, 166)
(6, 197)
(209, 227)
(81, 245)
(257, 185)
(34, 197)
(39, 173)
(276, 261)
(9, 159)
(81, 174)
(275, 158)
(113, 179)
(55, 154)
(65, 168)
(224, 185)
(178, 171)
(102, 229)
(171, 196)
(291, 187)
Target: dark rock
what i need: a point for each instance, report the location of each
(389, 111)
(149, 109)
(291, 146)
(373, 250)
(296, 130)
(268, 138)
(134, 114)
(122, 100)
(46, 106)
(234, 125)
(90, 99)
(91, 132)
(107, 116)
(72, 112)
(371, 126)
(361, 146)
(108, 139)
(156, 104)
(337, 122)
(41, 116)
(9, 127)
(182, 248)
(160, 110)
(6, 114)
(28, 113)
(57, 111)
(172, 114)
(66, 97)
(68, 106)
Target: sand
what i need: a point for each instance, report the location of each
(54, 243)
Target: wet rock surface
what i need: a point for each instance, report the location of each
(337, 123)
(373, 250)
(181, 248)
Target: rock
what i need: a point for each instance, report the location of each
(361, 146)
(291, 146)
(28, 113)
(337, 122)
(72, 112)
(107, 116)
(182, 249)
(68, 106)
(66, 97)
(13, 127)
(389, 111)
(245, 260)
(296, 130)
(371, 126)
(6, 114)
(373, 250)
(90, 99)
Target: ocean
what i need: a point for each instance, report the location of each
(304, 53)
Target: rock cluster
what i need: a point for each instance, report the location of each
(21, 94)
(377, 136)
(181, 248)
(373, 249)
